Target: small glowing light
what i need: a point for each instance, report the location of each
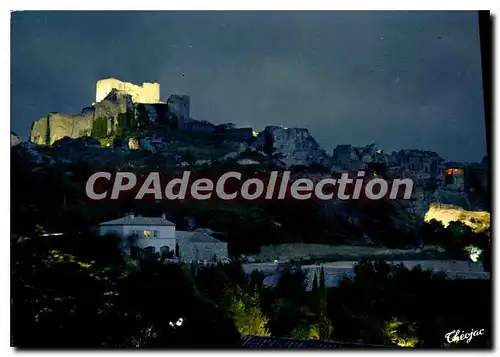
(177, 323)
(474, 252)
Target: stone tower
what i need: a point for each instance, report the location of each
(147, 93)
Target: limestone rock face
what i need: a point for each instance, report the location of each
(14, 139)
(477, 220)
(296, 145)
(442, 204)
(347, 157)
(57, 126)
(40, 132)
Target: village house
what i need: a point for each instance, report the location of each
(157, 235)
(142, 233)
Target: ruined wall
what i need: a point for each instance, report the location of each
(73, 126)
(116, 102)
(58, 126)
(38, 134)
(147, 93)
(477, 220)
(179, 105)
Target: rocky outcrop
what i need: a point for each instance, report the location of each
(78, 143)
(295, 145)
(14, 139)
(477, 220)
(57, 126)
(33, 155)
(351, 158)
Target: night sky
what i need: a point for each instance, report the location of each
(407, 80)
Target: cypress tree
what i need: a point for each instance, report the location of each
(315, 283)
(322, 285)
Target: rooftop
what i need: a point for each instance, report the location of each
(138, 221)
(196, 237)
(281, 343)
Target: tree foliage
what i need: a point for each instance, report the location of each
(100, 128)
(247, 314)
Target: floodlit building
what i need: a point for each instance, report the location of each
(157, 235)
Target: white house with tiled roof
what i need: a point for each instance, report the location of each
(142, 232)
(158, 235)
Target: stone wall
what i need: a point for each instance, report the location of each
(57, 126)
(39, 131)
(179, 105)
(477, 220)
(116, 102)
(147, 93)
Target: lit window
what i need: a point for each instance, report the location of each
(146, 234)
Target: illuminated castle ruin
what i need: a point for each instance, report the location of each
(147, 93)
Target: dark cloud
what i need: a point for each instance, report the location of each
(401, 79)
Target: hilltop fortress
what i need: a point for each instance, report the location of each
(114, 98)
(148, 93)
(150, 122)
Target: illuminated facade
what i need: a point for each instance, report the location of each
(147, 93)
(445, 214)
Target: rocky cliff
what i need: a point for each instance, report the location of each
(56, 126)
(295, 145)
(14, 139)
